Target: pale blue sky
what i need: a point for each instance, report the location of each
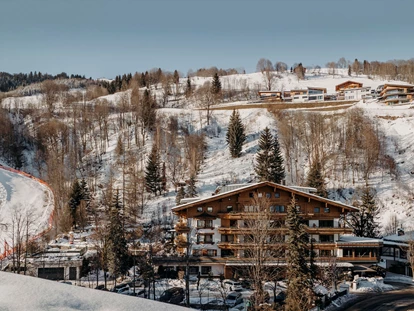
(102, 38)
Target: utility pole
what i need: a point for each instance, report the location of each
(187, 270)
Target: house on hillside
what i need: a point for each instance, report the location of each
(271, 95)
(316, 93)
(357, 93)
(396, 93)
(217, 232)
(347, 85)
(299, 96)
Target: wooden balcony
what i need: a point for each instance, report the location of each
(248, 215)
(235, 245)
(367, 259)
(327, 230)
(242, 231)
(182, 227)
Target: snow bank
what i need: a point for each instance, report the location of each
(18, 292)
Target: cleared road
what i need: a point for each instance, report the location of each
(400, 300)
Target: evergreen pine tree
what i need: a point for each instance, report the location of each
(235, 136)
(316, 180)
(86, 195)
(277, 169)
(75, 200)
(216, 84)
(349, 70)
(299, 290)
(269, 160)
(263, 156)
(191, 187)
(148, 111)
(180, 195)
(188, 90)
(153, 177)
(364, 222)
(118, 255)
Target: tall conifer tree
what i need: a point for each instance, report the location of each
(316, 179)
(118, 255)
(153, 178)
(269, 161)
(216, 84)
(235, 136)
(299, 292)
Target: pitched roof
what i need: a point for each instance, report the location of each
(257, 185)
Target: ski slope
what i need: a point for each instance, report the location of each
(24, 197)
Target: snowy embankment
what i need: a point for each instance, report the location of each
(25, 198)
(43, 295)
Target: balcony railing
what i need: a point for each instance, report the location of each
(182, 227)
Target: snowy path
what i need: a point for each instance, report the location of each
(20, 194)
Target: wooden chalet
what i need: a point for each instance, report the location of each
(348, 85)
(217, 232)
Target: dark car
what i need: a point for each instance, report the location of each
(280, 297)
(174, 295)
(380, 271)
(266, 297)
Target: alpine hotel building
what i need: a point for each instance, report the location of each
(215, 231)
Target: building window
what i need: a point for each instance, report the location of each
(205, 269)
(204, 223)
(251, 195)
(260, 195)
(268, 195)
(212, 252)
(277, 195)
(298, 208)
(209, 209)
(327, 210)
(316, 210)
(325, 253)
(199, 209)
(229, 208)
(196, 252)
(326, 223)
(277, 208)
(326, 238)
(204, 238)
(227, 238)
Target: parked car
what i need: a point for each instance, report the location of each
(266, 297)
(174, 295)
(280, 297)
(232, 285)
(234, 298)
(380, 271)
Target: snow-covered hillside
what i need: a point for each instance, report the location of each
(395, 196)
(22, 198)
(18, 292)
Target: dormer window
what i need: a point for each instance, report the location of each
(209, 209)
(199, 209)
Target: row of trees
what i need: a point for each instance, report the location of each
(9, 82)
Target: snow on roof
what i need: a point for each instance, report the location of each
(347, 238)
(256, 185)
(44, 295)
(407, 236)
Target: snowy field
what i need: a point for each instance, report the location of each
(24, 197)
(23, 293)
